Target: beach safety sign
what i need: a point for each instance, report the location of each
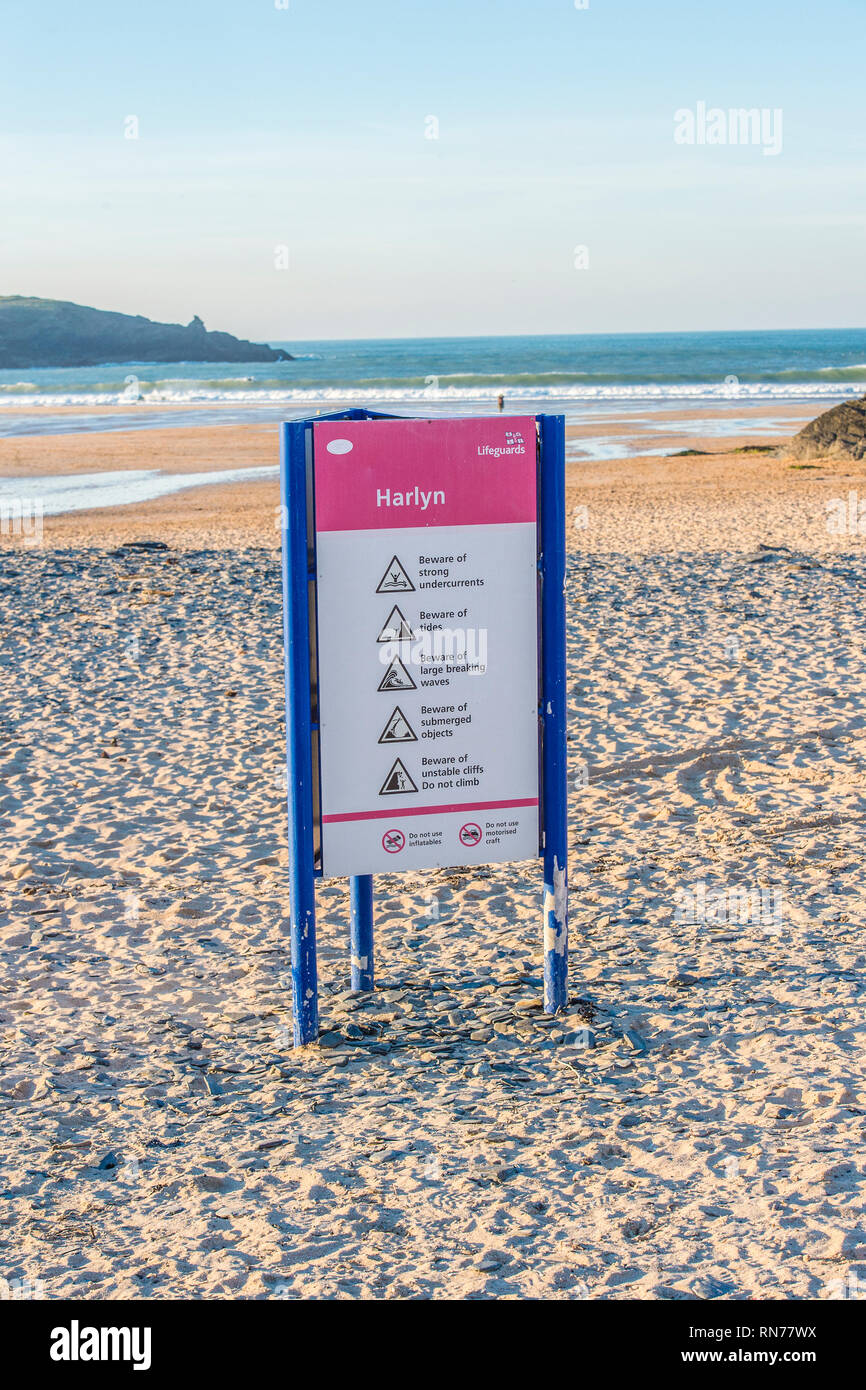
(426, 642)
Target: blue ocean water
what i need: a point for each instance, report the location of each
(460, 374)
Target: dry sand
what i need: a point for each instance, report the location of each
(454, 1142)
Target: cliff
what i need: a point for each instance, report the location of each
(55, 333)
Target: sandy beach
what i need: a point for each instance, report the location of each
(691, 1128)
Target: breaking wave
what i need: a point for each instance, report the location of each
(222, 393)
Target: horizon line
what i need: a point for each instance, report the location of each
(597, 333)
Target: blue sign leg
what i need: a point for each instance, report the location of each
(361, 931)
(296, 635)
(553, 688)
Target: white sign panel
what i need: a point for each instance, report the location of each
(427, 636)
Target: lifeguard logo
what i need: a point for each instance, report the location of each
(514, 444)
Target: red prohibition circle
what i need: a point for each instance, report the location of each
(393, 841)
(470, 833)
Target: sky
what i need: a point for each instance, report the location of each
(422, 168)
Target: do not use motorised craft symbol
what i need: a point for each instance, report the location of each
(396, 628)
(395, 580)
(398, 782)
(398, 729)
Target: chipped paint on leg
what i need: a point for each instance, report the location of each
(556, 940)
(556, 912)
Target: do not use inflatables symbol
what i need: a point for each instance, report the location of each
(393, 841)
(398, 729)
(398, 782)
(397, 677)
(396, 629)
(470, 834)
(395, 580)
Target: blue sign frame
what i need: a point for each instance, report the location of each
(299, 610)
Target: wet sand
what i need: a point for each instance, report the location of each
(691, 502)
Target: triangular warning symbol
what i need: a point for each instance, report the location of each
(396, 629)
(398, 729)
(397, 677)
(398, 781)
(395, 580)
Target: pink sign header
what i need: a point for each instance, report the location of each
(378, 474)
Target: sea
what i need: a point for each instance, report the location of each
(583, 375)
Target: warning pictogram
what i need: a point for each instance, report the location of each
(398, 729)
(393, 841)
(470, 834)
(395, 580)
(397, 677)
(396, 629)
(398, 781)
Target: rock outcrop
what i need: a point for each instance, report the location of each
(55, 333)
(839, 433)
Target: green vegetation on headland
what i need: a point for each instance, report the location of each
(55, 333)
